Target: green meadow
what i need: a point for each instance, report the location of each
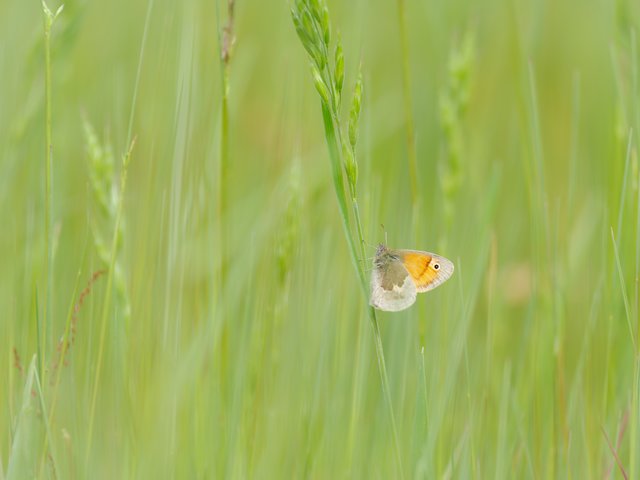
(191, 194)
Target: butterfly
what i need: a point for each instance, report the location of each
(399, 275)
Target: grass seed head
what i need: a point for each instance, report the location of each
(321, 87)
(339, 68)
(354, 113)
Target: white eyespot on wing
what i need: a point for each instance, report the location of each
(394, 300)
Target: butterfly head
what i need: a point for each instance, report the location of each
(384, 256)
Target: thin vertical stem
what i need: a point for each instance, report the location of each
(49, 18)
(225, 43)
(575, 137)
(333, 136)
(623, 289)
(382, 365)
(220, 186)
(406, 94)
(635, 413)
(623, 190)
(139, 71)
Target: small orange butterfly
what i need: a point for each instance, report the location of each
(399, 275)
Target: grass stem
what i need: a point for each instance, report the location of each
(49, 19)
(226, 40)
(412, 155)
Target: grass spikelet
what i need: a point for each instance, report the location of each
(105, 188)
(69, 339)
(289, 230)
(17, 363)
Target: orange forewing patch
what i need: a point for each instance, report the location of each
(419, 267)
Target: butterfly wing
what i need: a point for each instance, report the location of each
(427, 270)
(392, 288)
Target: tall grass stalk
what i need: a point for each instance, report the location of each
(636, 361)
(46, 420)
(501, 442)
(311, 20)
(226, 40)
(538, 161)
(139, 71)
(635, 414)
(623, 190)
(546, 332)
(49, 19)
(631, 109)
(575, 137)
(637, 269)
(635, 72)
(636, 364)
(358, 260)
(635, 400)
(221, 237)
(412, 155)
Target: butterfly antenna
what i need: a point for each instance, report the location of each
(386, 240)
(370, 245)
(369, 269)
(366, 260)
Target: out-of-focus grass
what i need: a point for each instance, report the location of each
(521, 366)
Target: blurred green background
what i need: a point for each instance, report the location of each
(234, 342)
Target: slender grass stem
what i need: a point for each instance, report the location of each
(359, 265)
(225, 45)
(636, 362)
(355, 397)
(222, 171)
(48, 197)
(635, 414)
(635, 401)
(47, 426)
(139, 70)
(623, 190)
(623, 288)
(637, 269)
(49, 19)
(338, 179)
(385, 386)
(412, 155)
(575, 137)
